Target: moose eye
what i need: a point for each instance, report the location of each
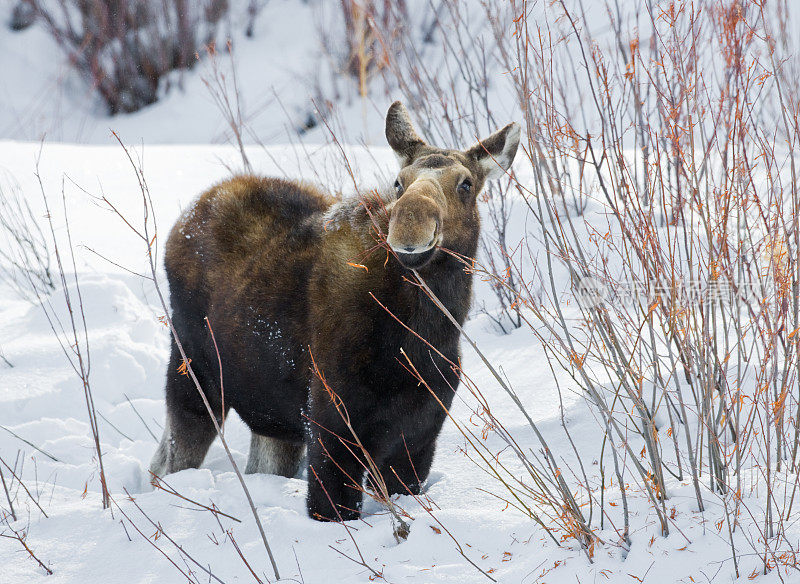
(398, 188)
(465, 187)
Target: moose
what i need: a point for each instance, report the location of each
(314, 299)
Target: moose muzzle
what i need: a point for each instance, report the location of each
(415, 225)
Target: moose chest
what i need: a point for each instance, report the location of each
(380, 339)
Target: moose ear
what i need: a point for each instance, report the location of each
(495, 154)
(401, 135)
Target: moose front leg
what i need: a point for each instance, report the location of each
(334, 479)
(406, 469)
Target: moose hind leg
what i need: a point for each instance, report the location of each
(190, 437)
(274, 456)
(158, 464)
(189, 430)
(183, 445)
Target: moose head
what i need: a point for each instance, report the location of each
(437, 189)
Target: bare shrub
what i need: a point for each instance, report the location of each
(24, 249)
(224, 90)
(543, 494)
(4, 359)
(26, 266)
(68, 322)
(22, 16)
(147, 232)
(356, 36)
(125, 48)
(660, 174)
(254, 8)
(22, 538)
(453, 92)
(666, 197)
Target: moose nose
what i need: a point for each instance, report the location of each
(415, 221)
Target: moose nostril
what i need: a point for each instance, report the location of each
(409, 248)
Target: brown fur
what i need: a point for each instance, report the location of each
(283, 272)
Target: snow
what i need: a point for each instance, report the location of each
(180, 142)
(42, 402)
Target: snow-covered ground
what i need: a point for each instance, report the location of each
(42, 402)
(45, 432)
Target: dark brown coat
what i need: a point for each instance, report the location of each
(283, 272)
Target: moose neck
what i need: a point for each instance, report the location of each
(448, 279)
(359, 220)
